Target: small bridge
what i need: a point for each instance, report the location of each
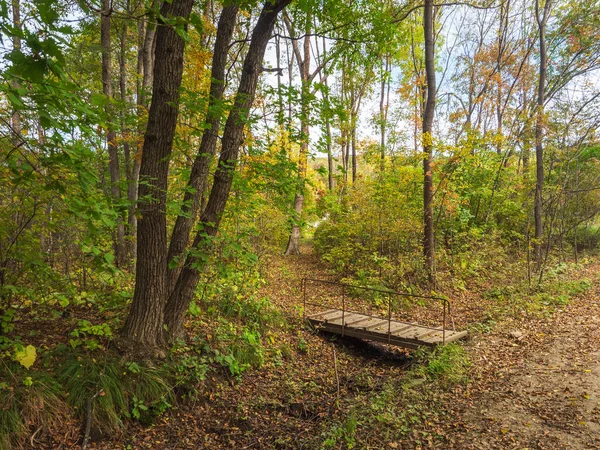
(334, 312)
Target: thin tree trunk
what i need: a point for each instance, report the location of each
(428, 114)
(128, 256)
(199, 174)
(327, 124)
(384, 103)
(111, 135)
(293, 246)
(354, 123)
(329, 154)
(144, 324)
(539, 132)
(179, 300)
(16, 40)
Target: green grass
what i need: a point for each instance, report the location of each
(29, 401)
(119, 390)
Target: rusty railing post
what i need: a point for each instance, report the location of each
(343, 308)
(389, 318)
(303, 288)
(444, 321)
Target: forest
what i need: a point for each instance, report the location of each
(185, 182)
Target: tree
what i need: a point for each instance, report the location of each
(154, 307)
(306, 77)
(111, 135)
(144, 324)
(541, 17)
(428, 115)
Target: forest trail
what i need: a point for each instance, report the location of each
(547, 397)
(536, 386)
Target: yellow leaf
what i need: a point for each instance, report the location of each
(26, 357)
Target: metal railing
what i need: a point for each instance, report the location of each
(445, 303)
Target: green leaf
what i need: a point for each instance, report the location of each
(26, 356)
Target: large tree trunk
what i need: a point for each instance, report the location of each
(145, 71)
(111, 135)
(199, 174)
(233, 134)
(144, 324)
(428, 113)
(539, 132)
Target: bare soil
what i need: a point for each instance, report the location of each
(545, 387)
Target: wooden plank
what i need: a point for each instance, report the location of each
(316, 315)
(347, 316)
(333, 315)
(402, 334)
(427, 332)
(438, 335)
(383, 338)
(372, 322)
(375, 325)
(456, 336)
(362, 319)
(451, 336)
(408, 333)
(401, 330)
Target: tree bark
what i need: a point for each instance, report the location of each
(539, 132)
(199, 173)
(111, 135)
(183, 292)
(145, 71)
(293, 246)
(128, 255)
(16, 41)
(144, 324)
(428, 114)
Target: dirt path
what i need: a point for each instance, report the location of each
(547, 389)
(535, 384)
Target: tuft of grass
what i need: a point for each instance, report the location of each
(84, 378)
(448, 365)
(119, 391)
(29, 402)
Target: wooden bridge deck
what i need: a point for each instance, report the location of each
(394, 332)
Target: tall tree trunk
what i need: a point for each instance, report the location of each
(539, 131)
(144, 324)
(293, 246)
(128, 256)
(145, 71)
(183, 292)
(384, 103)
(327, 123)
(199, 174)
(354, 121)
(428, 113)
(329, 152)
(16, 41)
(111, 135)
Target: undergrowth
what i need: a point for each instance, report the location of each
(389, 414)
